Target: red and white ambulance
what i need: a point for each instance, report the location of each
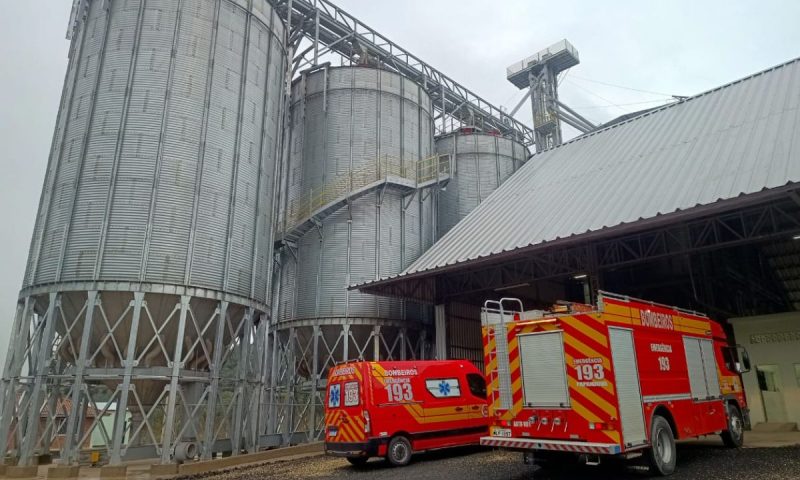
(624, 378)
(394, 409)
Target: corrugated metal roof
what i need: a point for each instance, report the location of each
(738, 139)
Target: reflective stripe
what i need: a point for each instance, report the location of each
(553, 445)
(666, 398)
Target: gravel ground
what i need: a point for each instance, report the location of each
(694, 462)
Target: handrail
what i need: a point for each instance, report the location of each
(418, 172)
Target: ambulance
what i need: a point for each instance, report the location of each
(625, 378)
(395, 409)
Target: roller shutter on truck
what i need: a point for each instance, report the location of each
(544, 379)
(626, 377)
(702, 366)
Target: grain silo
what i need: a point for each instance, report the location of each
(148, 270)
(359, 186)
(480, 162)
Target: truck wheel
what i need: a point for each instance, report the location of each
(662, 454)
(733, 437)
(399, 452)
(357, 461)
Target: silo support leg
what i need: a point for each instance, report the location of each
(213, 388)
(12, 371)
(169, 427)
(122, 408)
(73, 421)
(236, 439)
(42, 353)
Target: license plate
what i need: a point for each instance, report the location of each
(332, 432)
(501, 432)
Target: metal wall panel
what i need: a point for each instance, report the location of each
(464, 333)
(626, 378)
(479, 164)
(544, 380)
(161, 166)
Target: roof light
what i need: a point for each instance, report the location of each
(796, 237)
(580, 276)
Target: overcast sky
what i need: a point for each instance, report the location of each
(655, 48)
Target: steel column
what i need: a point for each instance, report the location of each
(125, 387)
(176, 364)
(41, 352)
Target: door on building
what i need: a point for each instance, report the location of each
(769, 382)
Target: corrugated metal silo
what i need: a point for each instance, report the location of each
(358, 206)
(149, 261)
(480, 162)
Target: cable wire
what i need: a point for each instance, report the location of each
(625, 88)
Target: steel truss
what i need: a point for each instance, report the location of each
(779, 218)
(186, 368)
(330, 30)
(304, 350)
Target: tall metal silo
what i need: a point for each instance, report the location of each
(480, 162)
(147, 279)
(359, 206)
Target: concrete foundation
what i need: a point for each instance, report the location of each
(71, 471)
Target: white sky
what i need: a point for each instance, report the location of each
(673, 47)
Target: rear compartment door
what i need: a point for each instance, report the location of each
(543, 369)
(626, 376)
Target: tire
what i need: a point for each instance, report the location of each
(662, 455)
(358, 461)
(733, 437)
(398, 453)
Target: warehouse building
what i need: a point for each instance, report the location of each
(695, 204)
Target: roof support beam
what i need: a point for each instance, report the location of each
(769, 221)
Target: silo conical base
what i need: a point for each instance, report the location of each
(168, 365)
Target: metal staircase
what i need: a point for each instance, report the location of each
(309, 210)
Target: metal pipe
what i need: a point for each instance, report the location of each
(521, 102)
(576, 114)
(566, 117)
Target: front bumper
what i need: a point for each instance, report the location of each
(359, 449)
(552, 445)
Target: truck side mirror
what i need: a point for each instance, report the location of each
(744, 365)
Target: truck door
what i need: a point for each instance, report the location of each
(626, 376)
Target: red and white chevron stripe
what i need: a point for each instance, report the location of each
(555, 445)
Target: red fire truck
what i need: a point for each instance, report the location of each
(624, 378)
(393, 409)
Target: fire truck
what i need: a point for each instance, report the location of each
(394, 409)
(625, 378)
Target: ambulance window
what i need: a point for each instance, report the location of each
(477, 385)
(443, 387)
(351, 394)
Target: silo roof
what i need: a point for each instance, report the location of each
(735, 140)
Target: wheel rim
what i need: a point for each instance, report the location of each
(664, 446)
(399, 452)
(736, 425)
